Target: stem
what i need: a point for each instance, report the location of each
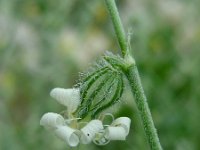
(119, 30)
(134, 80)
(141, 101)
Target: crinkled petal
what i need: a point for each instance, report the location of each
(124, 122)
(68, 97)
(90, 130)
(52, 120)
(115, 133)
(68, 135)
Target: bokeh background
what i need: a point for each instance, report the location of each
(46, 43)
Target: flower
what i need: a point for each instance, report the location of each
(90, 130)
(67, 134)
(52, 120)
(70, 130)
(67, 97)
(119, 129)
(55, 122)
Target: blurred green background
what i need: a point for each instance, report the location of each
(46, 43)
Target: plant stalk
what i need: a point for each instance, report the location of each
(119, 30)
(134, 80)
(142, 105)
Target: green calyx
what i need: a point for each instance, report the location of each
(103, 87)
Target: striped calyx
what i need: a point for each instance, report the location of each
(102, 87)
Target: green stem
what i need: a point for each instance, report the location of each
(141, 101)
(119, 30)
(134, 79)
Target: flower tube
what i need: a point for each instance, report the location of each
(115, 133)
(68, 135)
(52, 120)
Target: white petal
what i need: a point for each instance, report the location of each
(124, 122)
(100, 139)
(67, 97)
(68, 135)
(90, 130)
(51, 120)
(115, 133)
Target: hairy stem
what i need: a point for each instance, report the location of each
(134, 80)
(141, 101)
(119, 30)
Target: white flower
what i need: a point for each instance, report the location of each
(118, 130)
(52, 120)
(68, 129)
(56, 123)
(67, 97)
(90, 130)
(68, 135)
(124, 122)
(115, 133)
